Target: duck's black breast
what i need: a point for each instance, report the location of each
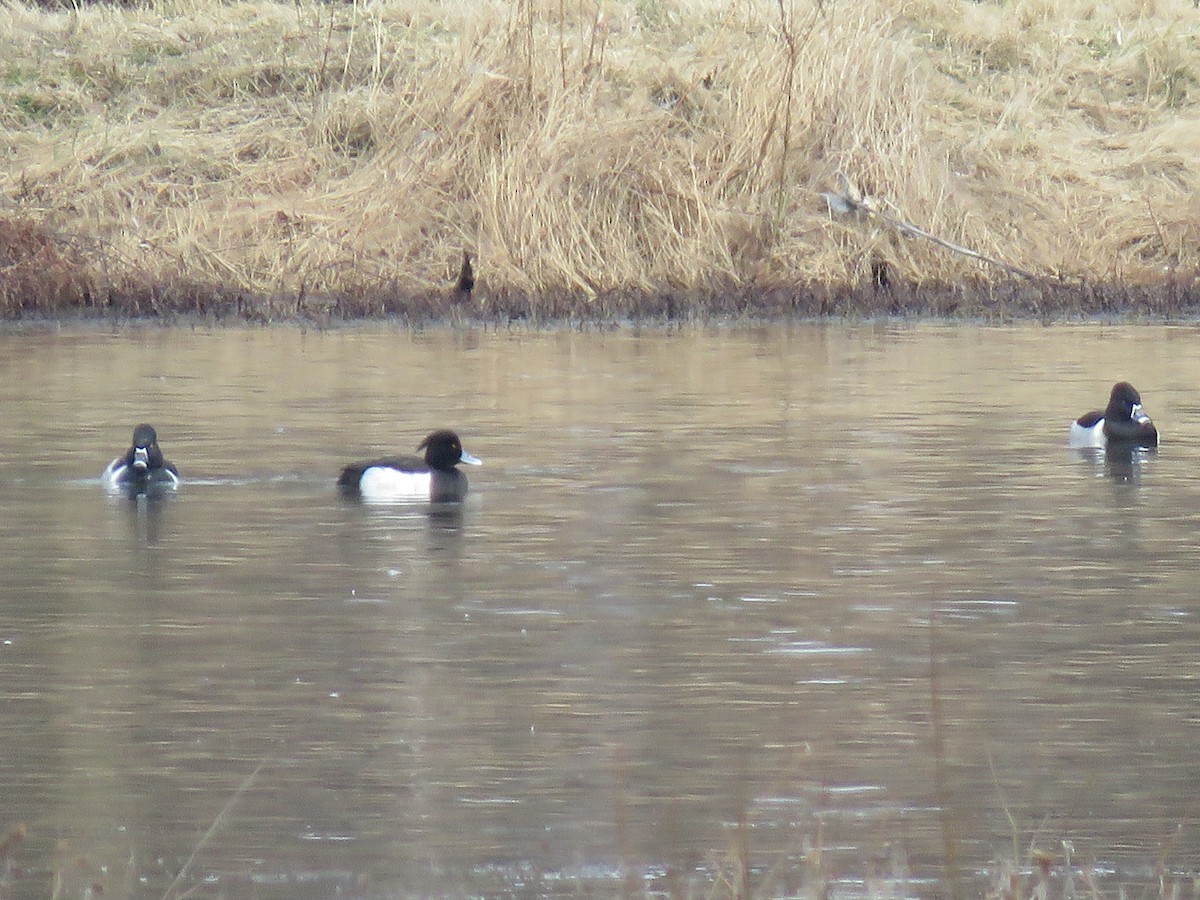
(447, 486)
(1130, 431)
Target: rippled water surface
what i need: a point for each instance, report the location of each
(834, 607)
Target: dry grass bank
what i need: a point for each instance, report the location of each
(597, 156)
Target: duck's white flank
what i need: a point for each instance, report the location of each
(114, 471)
(1088, 437)
(117, 470)
(384, 483)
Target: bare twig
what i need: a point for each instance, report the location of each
(212, 829)
(938, 738)
(851, 202)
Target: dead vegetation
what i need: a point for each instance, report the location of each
(598, 157)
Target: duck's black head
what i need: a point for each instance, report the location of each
(1123, 403)
(443, 450)
(145, 446)
(145, 436)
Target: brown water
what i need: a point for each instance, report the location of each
(702, 578)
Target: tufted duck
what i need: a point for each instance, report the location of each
(433, 478)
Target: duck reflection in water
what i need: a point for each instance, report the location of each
(1123, 463)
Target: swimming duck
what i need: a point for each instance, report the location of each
(1122, 422)
(432, 478)
(142, 468)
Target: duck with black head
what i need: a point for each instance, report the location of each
(142, 468)
(433, 478)
(1122, 423)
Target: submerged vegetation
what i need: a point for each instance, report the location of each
(599, 157)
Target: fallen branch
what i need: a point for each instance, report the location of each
(851, 202)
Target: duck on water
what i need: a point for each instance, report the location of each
(433, 478)
(142, 468)
(1122, 423)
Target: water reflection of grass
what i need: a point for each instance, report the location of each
(805, 871)
(1035, 874)
(272, 159)
(75, 875)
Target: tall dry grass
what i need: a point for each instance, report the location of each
(319, 154)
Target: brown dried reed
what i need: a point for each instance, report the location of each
(596, 157)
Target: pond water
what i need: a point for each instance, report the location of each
(824, 607)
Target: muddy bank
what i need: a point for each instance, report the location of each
(48, 275)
